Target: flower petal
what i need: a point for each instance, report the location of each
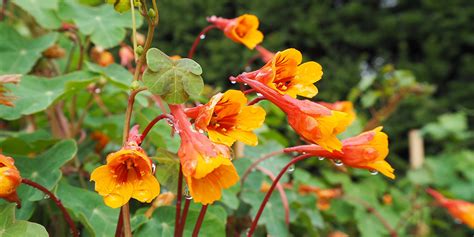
(120, 195)
(219, 137)
(104, 181)
(146, 188)
(250, 118)
(246, 137)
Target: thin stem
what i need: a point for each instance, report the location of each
(134, 31)
(119, 228)
(270, 191)
(128, 113)
(255, 164)
(281, 190)
(4, 7)
(178, 202)
(256, 100)
(199, 221)
(153, 122)
(374, 212)
(198, 39)
(249, 91)
(184, 214)
(66, 215)
(127, 230)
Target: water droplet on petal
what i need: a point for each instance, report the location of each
(187, 193)
(201, 131)
(245, 84)
(291, 169)
(233, 82)
(373, 172)
(248, 68)
(259, 94)
(338, 163)
(321, 158)
(153, 168)
(202, 37)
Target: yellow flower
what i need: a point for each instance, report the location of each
(285, 74)
(243, 29)
(10, 179)
(227, 118)
(206, 166)
(127, 174)
(342, 106)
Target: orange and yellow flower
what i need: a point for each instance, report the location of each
(342, 106)
(206, 166)
(368, 151)
(243, 29)
(127, 174)
(227, 118)
(5, 98)
(324, 195)
(459, 209)
(285, 74)
(10, 179)
(313, 122)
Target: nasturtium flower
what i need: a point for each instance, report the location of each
(227, 118)
(127, 174)
(313, 122)
(324, 195)
(5, 98)
(243, 29)
(459, 209)
(343, 106)
(10, 179)
(207, 166)
(368, 151)
(286, 74)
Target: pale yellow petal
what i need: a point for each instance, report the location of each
(220, 137)
(250, 118)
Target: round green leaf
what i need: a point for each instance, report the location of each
(157, 60)
(10, 227)
(189, 65)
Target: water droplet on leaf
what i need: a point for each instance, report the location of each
(233, 82)
(291, 169)
(321, 158)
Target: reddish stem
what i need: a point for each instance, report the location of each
(270, 191)
(256, 100)
(184, 214)
(198, 39)
(255, 164)
(119, 228)
(249, 91)
(199, 221)
(152, 123)
(284, 199)
(178, 203)
(66, 215)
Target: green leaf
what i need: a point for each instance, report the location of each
(167, 168)
(163, 220)
(114, 72)
(175, 81)
(19, 54)
(10, 227)
(105, 26)
(88, 207)
(44, 168)
(44, 12)
(35, 94)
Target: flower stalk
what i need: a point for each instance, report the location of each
(198, 39)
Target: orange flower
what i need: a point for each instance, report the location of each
(206, 166)
(343, 106)
(102, 140)
(243, 29)
(127, 174)
(368, 150)
(102, 57)
(5, 98)
(285, 74)
(227, 118)
(313, 122)
(10, 179)
(324, 195)
(459, 209)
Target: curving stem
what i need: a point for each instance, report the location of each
(198, 39)
(152, 123)
(66, 215)
(269, 193)
(199, 221)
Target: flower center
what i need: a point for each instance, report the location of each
(122, 171)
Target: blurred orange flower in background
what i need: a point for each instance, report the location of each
(227, 118)
(102, 57)
(324, 195)
(127, 174)
(459, 209)
(5, 98)
(243, 29)
(10, 179)
(206, 166)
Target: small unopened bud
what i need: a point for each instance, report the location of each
(137, 4)
(151, 13)
(135, 85)
(139, 50)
